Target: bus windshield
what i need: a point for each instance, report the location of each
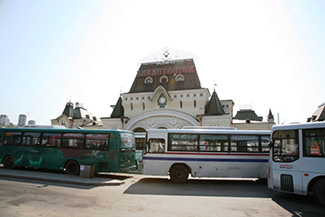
(285, 145)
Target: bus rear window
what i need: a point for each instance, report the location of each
(285, 145)
(127, 140)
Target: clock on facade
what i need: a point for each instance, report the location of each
(162, 101)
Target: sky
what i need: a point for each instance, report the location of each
(264, 54)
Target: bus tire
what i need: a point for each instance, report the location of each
(8, 162)
(319, 191)
(72, 167)
(179, 173)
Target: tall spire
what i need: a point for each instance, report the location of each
(270, 117)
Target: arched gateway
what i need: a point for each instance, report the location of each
(164, 119)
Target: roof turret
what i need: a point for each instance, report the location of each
(214, 106)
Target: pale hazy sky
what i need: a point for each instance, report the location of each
(267, 54)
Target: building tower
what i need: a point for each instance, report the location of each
(22, 120)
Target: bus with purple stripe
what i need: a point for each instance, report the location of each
(206, 152)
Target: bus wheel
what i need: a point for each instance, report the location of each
(319, 191)
(8, 162)
(179, 173)
(72, 167)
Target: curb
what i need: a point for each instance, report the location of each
(78, 181)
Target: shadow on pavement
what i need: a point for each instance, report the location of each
(299, 205)
(202, 187)
(114, 176)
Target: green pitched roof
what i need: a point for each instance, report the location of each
(214, 107)
(118, 110)
(247, 114)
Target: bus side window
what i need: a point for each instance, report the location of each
(244, 143)
(72, 140)
(97, 141)
(213, 143)
(265, 142)
(314, 142)
(31, 138)
(12, 138)
(156, 146)
(51, 139)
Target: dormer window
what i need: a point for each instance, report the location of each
(148, 80)
(163, 79)
(180, 78)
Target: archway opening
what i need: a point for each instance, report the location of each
(139, 130)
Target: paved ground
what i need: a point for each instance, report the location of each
(138, 195)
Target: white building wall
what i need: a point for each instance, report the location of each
(136, 104)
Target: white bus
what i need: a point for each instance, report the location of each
(206, 153)
(297, 159)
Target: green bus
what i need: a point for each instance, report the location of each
(67, 149)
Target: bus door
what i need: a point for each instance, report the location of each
(285, 162)
(127, 153)
(114, 152)
(140, 142)
(97, 145)
(34, 153)
(53, 156)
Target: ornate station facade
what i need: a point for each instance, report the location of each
(167, 93)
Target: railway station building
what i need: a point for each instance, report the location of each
(167, 93)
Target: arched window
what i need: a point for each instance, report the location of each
(131, 106)
(148, 80)
(179, 78)
(180, 104)
(143, 106)
(194, 103)
(139, 130)
(163, 79)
